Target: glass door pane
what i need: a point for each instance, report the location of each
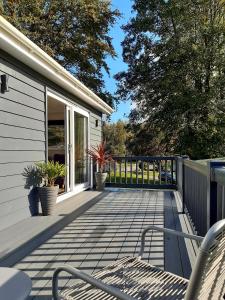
(80, 141)
(57, 138)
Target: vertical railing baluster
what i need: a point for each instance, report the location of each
(136, 171)
(160, 178)
(176, 172)
(115, 171)
(131, 172)
(109, 171)
(171, 170)
(142, 171)
(148, 171)
(166, 171)
(153, 172)
(125, 165)
(120, 171)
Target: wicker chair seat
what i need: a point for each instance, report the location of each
(135, 278)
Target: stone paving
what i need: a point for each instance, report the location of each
(107, 231)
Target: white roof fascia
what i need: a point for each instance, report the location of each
(18, 45)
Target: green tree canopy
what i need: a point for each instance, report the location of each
(74, 32)
(175, 51)
(116, 136)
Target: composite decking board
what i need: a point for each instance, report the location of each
(105, 232)
(31, 232)
(191, 246)
(185, 264)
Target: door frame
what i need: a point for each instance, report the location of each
(70, 109)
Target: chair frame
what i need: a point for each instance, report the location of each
(193, 282)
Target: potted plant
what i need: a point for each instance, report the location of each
(100, 156)
(48, 192)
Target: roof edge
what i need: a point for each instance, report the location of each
(18, 45)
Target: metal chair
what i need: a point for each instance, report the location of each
(131, 278)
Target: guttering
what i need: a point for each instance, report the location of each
(18, 45)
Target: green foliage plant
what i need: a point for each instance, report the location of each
(50, 171)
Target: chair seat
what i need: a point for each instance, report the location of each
(135, 278)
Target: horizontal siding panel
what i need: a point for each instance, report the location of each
(93, 120)
(18, 97)
(13, 194)
(14, 217)
(96, 140)
(12, 181)
(22, 138)
(24, 88)
(19, 109)
(21, 145)
(10, 206)
(10, 169)
(14, 71)
(20, 121)
(95, 135)
(23, 133)
(95, 131)
(94, 117)
(14, 156)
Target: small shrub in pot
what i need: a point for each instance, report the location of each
(49, 171)
(100, 156)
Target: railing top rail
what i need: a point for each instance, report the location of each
(197, 166)
(146, 158)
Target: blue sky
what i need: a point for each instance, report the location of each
(116, 65)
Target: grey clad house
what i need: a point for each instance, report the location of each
(45, 113)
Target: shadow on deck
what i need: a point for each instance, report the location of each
(109, 230)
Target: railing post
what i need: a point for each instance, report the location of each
(180, 178)
(212, 192)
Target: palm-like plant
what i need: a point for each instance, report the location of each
(100, 155)
(50, 171)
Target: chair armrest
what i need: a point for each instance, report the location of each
(169, 231)
(86, 278)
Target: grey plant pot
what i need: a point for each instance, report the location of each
(48, 196)
(100, 180)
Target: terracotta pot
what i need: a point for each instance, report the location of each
(100, 180)
(48, 196)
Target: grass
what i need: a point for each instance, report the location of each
(132, 178)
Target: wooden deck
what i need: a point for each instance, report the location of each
(111, 229)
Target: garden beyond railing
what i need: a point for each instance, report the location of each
(142, 171)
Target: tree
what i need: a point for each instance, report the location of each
(74, 32)
(116, 137)
(144, 140)
(175, 51)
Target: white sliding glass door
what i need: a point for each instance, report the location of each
(81, 161)
(68, 141)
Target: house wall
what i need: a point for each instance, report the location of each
(23, 135)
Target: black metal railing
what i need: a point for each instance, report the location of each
(201, 185)
(142, 171)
